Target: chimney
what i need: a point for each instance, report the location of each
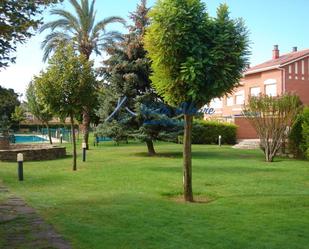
(294, 49)
(275, 52)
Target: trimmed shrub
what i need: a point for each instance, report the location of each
(299, 136)
(296, 138)
(207, 132)
(305, 132)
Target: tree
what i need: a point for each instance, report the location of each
(8, 102)
(17, 23)
(117, 127)
(195, 58)
(5, 125)
(18, 115)
(272, 118)
(127, 71)
(86, 34)
(39, 110)
(66, 85)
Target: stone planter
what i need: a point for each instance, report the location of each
(4, 143)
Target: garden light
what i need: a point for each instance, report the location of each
(20, 161)
(84, 146)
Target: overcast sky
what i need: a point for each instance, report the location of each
(282, 22)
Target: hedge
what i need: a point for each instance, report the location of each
(208, 132)
(299, 136)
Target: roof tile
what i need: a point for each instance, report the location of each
(283, 59)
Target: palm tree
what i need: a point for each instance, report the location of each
(84, 32)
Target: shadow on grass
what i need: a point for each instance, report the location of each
(214, 169)
(207, 154)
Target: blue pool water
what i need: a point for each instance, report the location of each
(28, 139)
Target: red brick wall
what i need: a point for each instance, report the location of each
(298, 82)
(245, 129)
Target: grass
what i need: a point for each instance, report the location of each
(123, 199)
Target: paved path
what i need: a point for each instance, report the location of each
(22, 228)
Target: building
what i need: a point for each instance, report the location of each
(283, 73)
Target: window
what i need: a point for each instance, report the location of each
(230, 101)
(302, 67)
(255, 91)
(271, 90)
(240, 99)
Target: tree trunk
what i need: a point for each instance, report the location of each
(150, 147)
(187, 159)
(269, 157)
(49, 133)
(86, 125)
(74, 142)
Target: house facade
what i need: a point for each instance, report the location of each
(283, 73)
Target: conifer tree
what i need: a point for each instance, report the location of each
(128, 73)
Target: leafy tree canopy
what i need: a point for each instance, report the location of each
(8, 102)
(195, 57)
(17, 23)
(66, 84)
(37, 108)
(18, 115)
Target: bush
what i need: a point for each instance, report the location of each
(114, 130)
(296, 138)
(299, 137)
(305, 132)
(207, 132)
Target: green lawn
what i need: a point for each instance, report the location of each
(122, 199)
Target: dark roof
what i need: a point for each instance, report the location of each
(283, 59)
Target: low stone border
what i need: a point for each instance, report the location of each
(4, 143)
(32, 152)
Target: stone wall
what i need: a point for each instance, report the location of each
(4, 143)
(32, 152)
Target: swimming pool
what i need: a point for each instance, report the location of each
(29, 139)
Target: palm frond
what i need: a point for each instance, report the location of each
(100, 26)
(49, 48)
(74, 22)
(80, 29)
(51, 41)
(85, 6)
(60, 23)
(91, 10)
(92, 14)
(77, 8)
